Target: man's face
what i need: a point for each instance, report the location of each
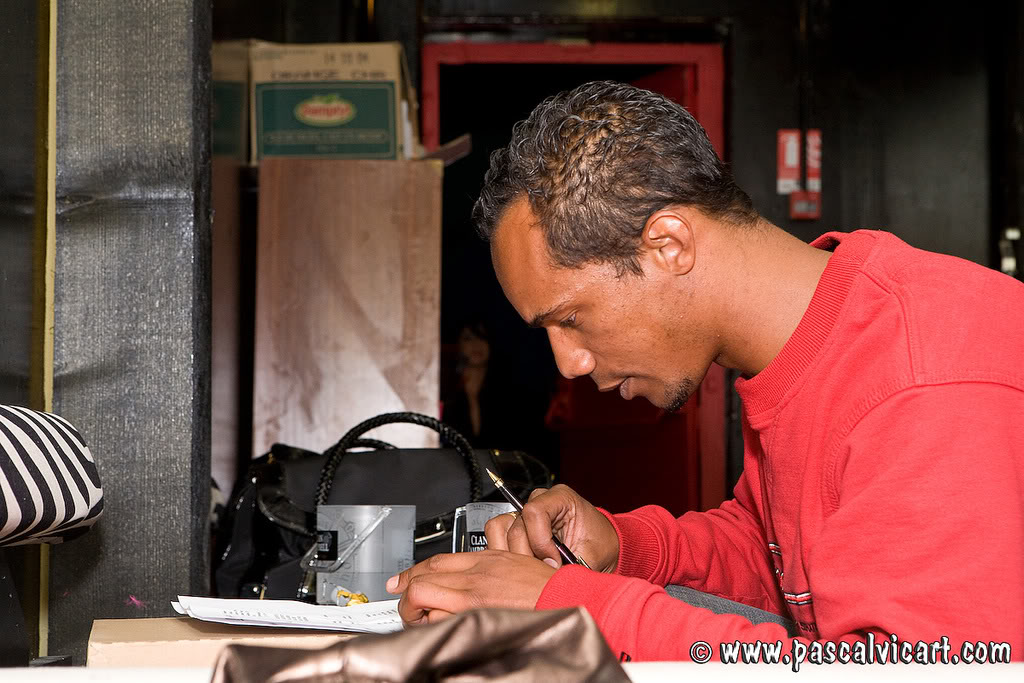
(631, 334)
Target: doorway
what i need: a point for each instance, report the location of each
(583, 435)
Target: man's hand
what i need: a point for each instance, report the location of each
(444, 585)
(562, 511)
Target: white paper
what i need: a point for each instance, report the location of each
(372, 617)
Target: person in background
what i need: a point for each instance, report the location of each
(472, 406)
(491, 406)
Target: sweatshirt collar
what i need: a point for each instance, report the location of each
(849, 251)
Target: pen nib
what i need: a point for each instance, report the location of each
(492, 475)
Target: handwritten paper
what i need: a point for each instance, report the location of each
(372, 617)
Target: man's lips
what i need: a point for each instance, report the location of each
(624, 387)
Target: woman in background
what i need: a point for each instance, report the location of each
(471, 406)
(491, 402)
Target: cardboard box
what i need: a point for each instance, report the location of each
(334, 101)
(229, 120)
(187, 642)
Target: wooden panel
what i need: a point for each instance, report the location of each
(347, 298)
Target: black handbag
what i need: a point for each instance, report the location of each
(271, 519)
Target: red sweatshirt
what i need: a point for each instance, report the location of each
(883, 482)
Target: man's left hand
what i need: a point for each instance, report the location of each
(444, 585)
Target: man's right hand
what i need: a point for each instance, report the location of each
(561, 511)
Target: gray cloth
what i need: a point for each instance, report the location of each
(510, 646)
(723, 606)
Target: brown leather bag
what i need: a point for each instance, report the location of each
(493, 644)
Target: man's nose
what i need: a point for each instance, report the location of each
(572, 359)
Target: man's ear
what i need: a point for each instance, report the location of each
(669, 238)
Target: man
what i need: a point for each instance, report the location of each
(883, 394)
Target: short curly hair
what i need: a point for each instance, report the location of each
(596, 162)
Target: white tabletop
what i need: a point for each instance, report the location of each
(638, 672)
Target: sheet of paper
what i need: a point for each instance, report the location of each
(373, 617)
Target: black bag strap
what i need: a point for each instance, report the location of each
(449, 437)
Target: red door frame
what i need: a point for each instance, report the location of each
(707, 93)
(706, 59)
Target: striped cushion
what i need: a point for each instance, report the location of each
(49, 487)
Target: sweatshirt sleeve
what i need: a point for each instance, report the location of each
(924, 540)
(640, 621)
(722, 551)
(926, 537)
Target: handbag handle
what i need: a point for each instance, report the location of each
(449, 436)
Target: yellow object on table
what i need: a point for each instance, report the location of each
(350, 598)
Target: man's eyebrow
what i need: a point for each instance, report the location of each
(538, 320)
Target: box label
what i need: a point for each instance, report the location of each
(228, 119)
(340, 119)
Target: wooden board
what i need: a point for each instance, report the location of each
(183, 642)
(347, 299)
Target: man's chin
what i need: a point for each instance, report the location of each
(677, 398)
(665, 403)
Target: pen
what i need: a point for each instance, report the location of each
(567, 555)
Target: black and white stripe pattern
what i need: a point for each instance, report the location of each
(49, 487)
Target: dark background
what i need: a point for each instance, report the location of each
(919, 106)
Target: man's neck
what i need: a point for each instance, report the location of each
(770, 282)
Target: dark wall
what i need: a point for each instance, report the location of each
(905, 97)
(912, 101)
(17, 176)
(1007, 82)
(19, 46)
(902, 96)
(295, 21)
(132, 304)
(915, 106)
(920, 108)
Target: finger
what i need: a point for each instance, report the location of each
(433, 592)
(518, 539)
(537, 492)
(436, 615)
(449, 562)
(496, 530)
(538, 517)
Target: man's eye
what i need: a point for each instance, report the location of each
(569, 322)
